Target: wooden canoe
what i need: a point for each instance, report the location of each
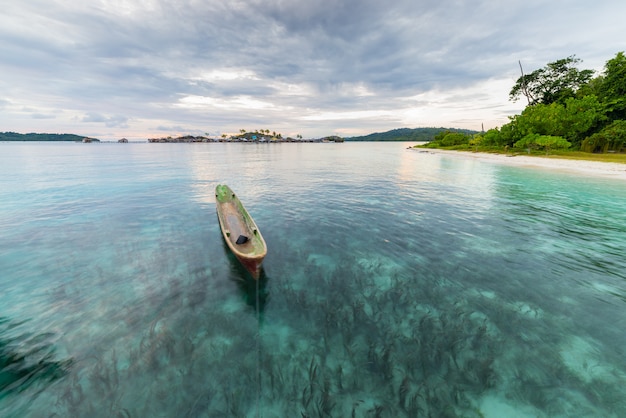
(239, 230)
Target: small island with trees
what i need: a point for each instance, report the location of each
(258, 136)
(262, 135)
(569, 112)
(32, 137)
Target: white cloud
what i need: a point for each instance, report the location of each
(355, 115)
(235, 103)
(226, 74)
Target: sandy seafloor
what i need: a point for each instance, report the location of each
(594, 168)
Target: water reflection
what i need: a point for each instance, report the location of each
(253, 292)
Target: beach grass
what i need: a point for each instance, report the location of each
(610, 157)
(579, 155)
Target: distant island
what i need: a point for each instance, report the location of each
(263, 136)
(258, 137)
(401, 134)
(14, 136)
(408, 134)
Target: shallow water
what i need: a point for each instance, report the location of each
(397, 283)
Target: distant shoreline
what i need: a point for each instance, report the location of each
(593, 168)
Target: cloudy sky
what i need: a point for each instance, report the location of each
(143, 68)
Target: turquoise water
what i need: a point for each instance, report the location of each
(397, 284)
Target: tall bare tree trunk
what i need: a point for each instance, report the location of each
(524, 89)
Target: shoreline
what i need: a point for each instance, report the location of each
(591, 168)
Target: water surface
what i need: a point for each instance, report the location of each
(397, 283)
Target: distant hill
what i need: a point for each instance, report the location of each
(407, 134)
(14, 136)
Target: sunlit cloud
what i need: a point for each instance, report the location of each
(226, 74)
(356, 115)
(232, 103)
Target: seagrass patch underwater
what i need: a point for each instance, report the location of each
(396, 284)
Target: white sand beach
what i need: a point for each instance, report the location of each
(594, 168)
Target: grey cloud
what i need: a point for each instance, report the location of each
(42, 116)
(141, 61)
(176, 130)
(108, 121)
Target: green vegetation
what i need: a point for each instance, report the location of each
(14, 136)
(567, 109)
(407, 134)
(263, 135)
(256, 135)
(555, 82)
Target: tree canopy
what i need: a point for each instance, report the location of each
(555, 82)
(612, 89)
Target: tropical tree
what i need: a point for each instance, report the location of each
(529, 142)
(555, 82)
(612, 137)
(541, 119)
(492, 137)
(476, 141)
(511, 132)
(580, 118)
(614, 80)
(613, 86)
(547, 142)
(454, 138)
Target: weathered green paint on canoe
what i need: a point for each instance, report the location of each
(234, 221)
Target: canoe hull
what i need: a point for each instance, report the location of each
(252, 265)
(239, 230)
